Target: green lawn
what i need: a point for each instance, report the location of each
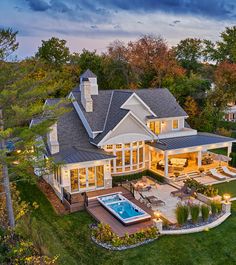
(219, 151)
(68, 237)
(227, 187)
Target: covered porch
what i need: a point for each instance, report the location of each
(178, 156)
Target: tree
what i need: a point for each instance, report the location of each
(193, 86)
(192, 109)
(225, 48)
(189, 53)
(54, 51)
(225, 85)
(22, 95)
(8, 43)
(152, 61)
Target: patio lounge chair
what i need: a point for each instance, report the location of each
(144, 200)
(228, 172)
(179, 191)
(216, 175)
(188, 194)
(154, 201)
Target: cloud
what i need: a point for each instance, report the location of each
(38, 5)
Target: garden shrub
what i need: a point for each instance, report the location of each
(104, 234)
(181, 212)
(216, 207)
(205, 211)
(123, 178)
(207, 190)
(194, 212)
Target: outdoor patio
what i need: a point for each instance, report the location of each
(163, 193)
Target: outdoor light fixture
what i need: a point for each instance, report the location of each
(157, 215)
(226, 198)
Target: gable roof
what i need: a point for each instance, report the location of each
(88, 74)
(160, 101)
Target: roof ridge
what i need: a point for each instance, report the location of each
(108, 110)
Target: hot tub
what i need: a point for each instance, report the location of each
(124, 210)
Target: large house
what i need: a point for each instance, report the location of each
(115, 132)
(230, 112)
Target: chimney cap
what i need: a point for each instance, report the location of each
(88, 74)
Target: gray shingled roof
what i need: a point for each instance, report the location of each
(88, 74)
(160, 100)
(115, 113)
(96, 119)
(73, 136)
(190, 141)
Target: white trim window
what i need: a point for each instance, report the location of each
(129, 157)
(175, 124)
(87, 178)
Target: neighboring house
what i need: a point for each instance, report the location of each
(113, 132)
(230, 113)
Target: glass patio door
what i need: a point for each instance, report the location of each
(91, 177)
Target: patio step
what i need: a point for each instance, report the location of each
(93, 203)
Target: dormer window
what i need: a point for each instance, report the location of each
(155, 126)
(175, 124)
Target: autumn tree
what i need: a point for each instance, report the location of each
(152, 61)
(225, 85)
(54, 51)
(192, 109)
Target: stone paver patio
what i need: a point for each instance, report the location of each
(163, 193)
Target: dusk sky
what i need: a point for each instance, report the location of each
(93, 24)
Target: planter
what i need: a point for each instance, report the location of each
(207, 200)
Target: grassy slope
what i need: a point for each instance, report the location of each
(227, 187)
(68, 236)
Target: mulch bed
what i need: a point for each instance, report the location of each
(52, 197)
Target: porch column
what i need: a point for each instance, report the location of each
(199, 158)
(229, 149)
(166, 164)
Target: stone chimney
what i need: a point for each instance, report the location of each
(52, 139)
(88, 87)
(86, 99)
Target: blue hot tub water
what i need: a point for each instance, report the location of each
(124, 209)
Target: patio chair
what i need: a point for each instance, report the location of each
(156, 202)
(144, 200)
(228, 172)
(216, 175)
(179, 191)
(188, 194)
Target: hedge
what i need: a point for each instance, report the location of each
(123, 178)
(227, 125)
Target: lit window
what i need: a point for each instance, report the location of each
(118, 146)
(175, 124)
(155, 126)
(109, 146)
(135, 144)
(74, 180)
(127, 145)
